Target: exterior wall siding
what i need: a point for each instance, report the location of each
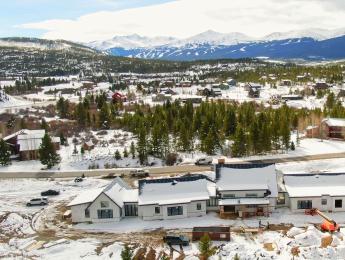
(96, 205)
(78, 213)
(147, 212)
(316, 203)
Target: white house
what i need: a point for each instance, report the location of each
(246, 189)
(115, 201)
(172, 198)
(325, 191)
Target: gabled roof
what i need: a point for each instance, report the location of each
(335, 122)
(118, 191)
(167, 191)
(246, 177)
(315, 185)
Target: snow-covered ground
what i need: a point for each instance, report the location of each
(102, 156)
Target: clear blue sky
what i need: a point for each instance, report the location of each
(17, 12)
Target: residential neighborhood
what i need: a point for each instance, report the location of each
(172, 130)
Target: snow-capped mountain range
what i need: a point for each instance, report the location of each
(305, 44)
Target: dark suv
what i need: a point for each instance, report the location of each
(173, 240)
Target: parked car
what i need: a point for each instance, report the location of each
(172, 240)
(37, 202)
(78, 179)
(139, 173)
(50, 193)
(204, 161)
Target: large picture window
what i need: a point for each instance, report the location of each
(175, 211)
(304, 204)
(105, 213)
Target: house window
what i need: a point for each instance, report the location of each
(251, 206)
(175, 211)
(105, 213)
(87, 213)
(198, 206)
(323, 201)
(338, 203)
(251, 195)
(304, 204)
(104, 204)
(228, 195)
(157, 210)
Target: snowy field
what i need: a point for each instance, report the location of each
(40, 233)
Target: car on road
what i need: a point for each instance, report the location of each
(204, 161)
(178, 240)
(37, 202)
(139, 173)
(50, 193)
(78, 179)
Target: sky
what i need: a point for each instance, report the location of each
(92, 20)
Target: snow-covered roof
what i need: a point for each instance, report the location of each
(244, 201)
(174, 191)
(247, 177)
(86, 197)
(315, 185)
(334, 122)
(117, 190)
(120, 193)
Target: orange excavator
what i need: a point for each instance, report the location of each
(328, 225)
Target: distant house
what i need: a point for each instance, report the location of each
(26, 143)
(325, 192)
(172, 198)
(246, 190)
(286, 83)
(112, 203)
(333, 128)
(88, 146)
(291, 97)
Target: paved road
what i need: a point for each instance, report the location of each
(161, 170)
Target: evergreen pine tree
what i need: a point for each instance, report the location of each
(117, 155)
(205, 247)
(104, 116)
(292, 146)
(238, 148)
(82, 150)
(62, 139)
(47, 152)
(142, 147)
(126, 253)
(132, 150)
(4, 153)
(236, 257)
(125, 153)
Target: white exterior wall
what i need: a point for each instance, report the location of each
(96, 205)
(316, 203)
(78, 213)
(147, 212)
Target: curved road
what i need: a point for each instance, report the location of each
(160, 170)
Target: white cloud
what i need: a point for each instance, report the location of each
(188, 17)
